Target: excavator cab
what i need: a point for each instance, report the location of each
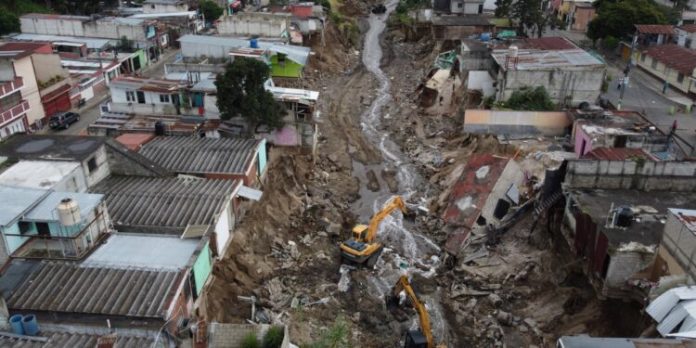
(361, 248)
(415, 339)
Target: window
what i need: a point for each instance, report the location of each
(460, 5)
(43, 229)
(680, 78)
(642, 57)
(164, 98)
(141, 97)
(24, 227)
(130, 96)
(10, 100)
(501, 209)
(92, 164)
(654, 63)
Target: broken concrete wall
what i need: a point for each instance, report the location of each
(625, 265)
(511, 179)
(516, 123)
(679, 245)
(645, 176)
(255, 24)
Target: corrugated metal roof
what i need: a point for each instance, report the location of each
(686, 216)
(665, 29)
(137, 202)
(689, 28)
(17, 201)
(672, 307)
(90, 42)
(469, 195)
(202, 155)
(618, 154)
(549, 43)
(531, 59)
(138, 250)
(674, 56)
(69, 288)
(71, 340)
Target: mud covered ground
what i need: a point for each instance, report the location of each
(523, 291)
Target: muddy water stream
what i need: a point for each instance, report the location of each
(406, 251)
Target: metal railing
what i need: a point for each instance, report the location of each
(14, 112)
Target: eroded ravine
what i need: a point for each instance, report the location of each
(406, 251)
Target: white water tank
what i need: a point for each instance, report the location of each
(514, 50)
(68, 212)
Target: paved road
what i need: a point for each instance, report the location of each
(90, 112)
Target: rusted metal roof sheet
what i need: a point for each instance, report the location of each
(674, 56)
(665, 29)
(549, 43)
(618, 154)
(469, 195)
(71, 340)
(689, 28)
(137, 204)
(202, 155)
(68, 288)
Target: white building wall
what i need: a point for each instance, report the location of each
(66, 27)
(164, 8)
(224, 228)
(102, 170)
(30, 91)
(104, 28)
(261, 24)
(153, 103)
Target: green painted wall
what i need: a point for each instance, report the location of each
(202, 268)
(288, 69)
(141, 57)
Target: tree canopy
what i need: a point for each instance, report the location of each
(210, 10)
(617, 18)
(241, 92)
(531, 20)
(9, 23)
(530, 99)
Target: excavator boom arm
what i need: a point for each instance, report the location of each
(423, 317)
(396, 203)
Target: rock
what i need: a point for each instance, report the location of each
(334, 229)
(333, 158)
(522, 328)
(372, 182)
(389, 177)
(503, 317)
(322, 234)
(495, 299)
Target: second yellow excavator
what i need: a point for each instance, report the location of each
(362, 248)
(422, 338)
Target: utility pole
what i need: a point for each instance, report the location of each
(624, 82)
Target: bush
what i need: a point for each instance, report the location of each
(530, 99)
(273, 338)
(610, 43)
(250, 341)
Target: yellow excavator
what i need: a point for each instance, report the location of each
(422, 338)
(362, 249)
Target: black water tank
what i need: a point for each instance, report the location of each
(159, 128)
(624, 217)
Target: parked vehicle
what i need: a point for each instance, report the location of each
(63, 120)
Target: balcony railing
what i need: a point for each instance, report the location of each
(14, 112)
(8, 87)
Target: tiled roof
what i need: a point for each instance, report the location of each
(673, 56)
(655, 29)
(71, 340)
(68, 288)
(617, 154)
(202, 155)
(690, 28)
(136, 203)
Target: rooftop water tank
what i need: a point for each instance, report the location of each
(30, 325)
(254, 43)
(68, 212)
(16, 324)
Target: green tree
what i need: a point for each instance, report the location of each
(618, 18)
(210, 10)
(530, 99)
(503, 8)
(241, 92)
(9, 23)
(530, 18)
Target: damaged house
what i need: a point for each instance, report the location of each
(489, 188)
(614, 216)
